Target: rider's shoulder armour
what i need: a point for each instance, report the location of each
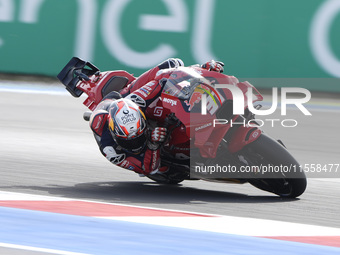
(98, 120)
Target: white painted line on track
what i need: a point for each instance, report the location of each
(31, 248)
(236, 225)
(15, 196)
(201, 221)
(46, 89)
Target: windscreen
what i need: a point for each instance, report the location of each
(182, 83)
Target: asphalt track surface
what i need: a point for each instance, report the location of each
(47, 149)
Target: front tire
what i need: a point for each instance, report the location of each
(266, 151)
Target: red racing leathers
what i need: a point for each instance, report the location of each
(143, 91)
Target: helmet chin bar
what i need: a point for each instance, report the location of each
(134, 145)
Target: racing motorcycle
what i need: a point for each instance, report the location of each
(206, 140)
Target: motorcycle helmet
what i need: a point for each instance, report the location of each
(127, 125)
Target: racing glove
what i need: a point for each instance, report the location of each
(157, 137)
(213, 65)
(171, 63)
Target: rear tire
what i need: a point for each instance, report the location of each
(266, 151)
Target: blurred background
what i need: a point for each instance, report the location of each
(47, 149)
(272, 43)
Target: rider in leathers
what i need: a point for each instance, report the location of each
(141, 158)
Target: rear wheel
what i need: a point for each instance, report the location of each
(289, 182)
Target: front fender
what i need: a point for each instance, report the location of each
(243, 136)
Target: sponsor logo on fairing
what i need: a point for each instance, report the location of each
(200, 94)
(204, 126)
(170, 101)
(158, 111)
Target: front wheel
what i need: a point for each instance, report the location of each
(267, 152)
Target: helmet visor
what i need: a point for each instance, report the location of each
(134, 145)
